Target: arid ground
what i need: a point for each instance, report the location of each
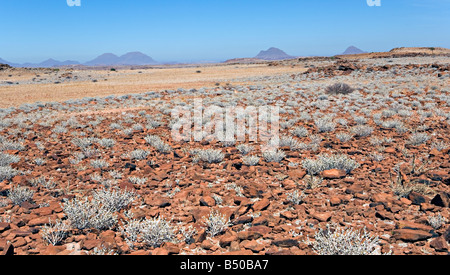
(88, 164)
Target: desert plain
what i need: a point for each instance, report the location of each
(89, 166)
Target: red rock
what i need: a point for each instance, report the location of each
(382, 197)
(39, 221)
(413, 225)
(160, 252)
(19, 242)
(439, 244)
(323, 217)
(172, 248)
(140, 253)
(108, 237)
(207, 201)
(159, 176)
(243, 252)
(417, 198)
(411, 235)
(91, 244)
(355, 188)
(4, 226)
(405, 201)
(288, 215)
(296, 174)
(207, 244)
(285, 242)
(335, 201)
(53, 250)
(334, 174)
(249, 235)
(126, 185)
(442, 199)
(200, 213)
(263, 230)
(254, 246)
(426, 206)
(390, 150)
(435, 152)
(261, 205)
(289, 184)
(43, 211)
(226, 239)
(244, 219)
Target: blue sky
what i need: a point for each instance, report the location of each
(215, 30)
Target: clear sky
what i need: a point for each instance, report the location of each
(215, 30)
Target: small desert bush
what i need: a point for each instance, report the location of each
(139, 154)
(107, 143)
(437, 221)
(328, 162)
(7, 173)
(250, 160)
(114, 199)
(362, 130)
(55, 233)
(156, 231)
(19, 194)
(345, 241)
(274, 155)
(216, 223)
(295, 197)
(99, 164)
(158, 144)
(325, 124)
(291, 142)
(299, 131)
(88, 214)
(6, 159)
(11, 145)
(339, 88)
(344, 137)
(245, 149)
(210, 155)
(418, 138)
(153, 232)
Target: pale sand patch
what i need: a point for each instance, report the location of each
(131, 81)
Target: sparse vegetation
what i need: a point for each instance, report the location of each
(339, 88)
(107, 168)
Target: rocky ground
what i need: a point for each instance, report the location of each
(105, 176)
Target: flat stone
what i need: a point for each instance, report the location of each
(439, 244)
(334, 174)
(322, 217)
(285, 242)
(411, 235)
(261, 205)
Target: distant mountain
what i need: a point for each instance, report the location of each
(104, 59)
(2, 61)
(136, 58)
(107, 59)
(273, 54)
(132, 58)
(353, 50)
(55, 63)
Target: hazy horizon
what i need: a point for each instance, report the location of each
(196, 31)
